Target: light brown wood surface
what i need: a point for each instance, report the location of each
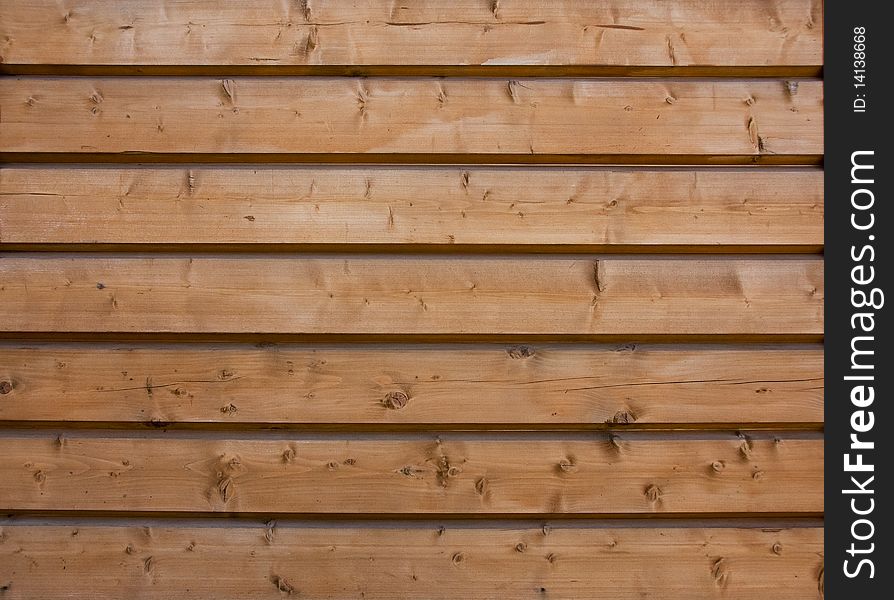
(280, 559)
(419, 295)
(472, 474)
(625, 33)
(494, 209)
(319, 117)
(385, 372)
(474, 385)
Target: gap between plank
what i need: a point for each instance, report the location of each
(242, 426)
(274, 338)
(410, 248)
(651, 518)
(412, 158)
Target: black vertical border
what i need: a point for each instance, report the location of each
(846, 132)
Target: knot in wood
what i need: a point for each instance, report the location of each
(566, 465)
(512, 90)
(622, 417)
(653, 493)
(745, 448)
(396, 400)
(777, 548)
(229, 409)
(225, 489)
(521, 352)
(718, 466)
(521, 547)
(458, 558)
(5, 386)
(411, 471)
(446, 471)
(720, 572)
(282, 584)
(614, 441)
(229, 88)
(757, 475)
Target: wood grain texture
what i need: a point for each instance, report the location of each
(531, 386)
(85, 560)
(469, 32)
(419, 207)
(415, 295)
(388, 475)
(151, 450)
(411, 117)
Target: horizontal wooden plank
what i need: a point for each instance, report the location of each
(499, 71)
(415, 207)
(479, 474)
(504, 33)
(525, 385)
(410, 295)
(411, 117)
(87, 560)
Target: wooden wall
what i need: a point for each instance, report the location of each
(490, 298)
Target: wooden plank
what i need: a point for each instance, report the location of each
(504, 71)
(388, 475)
(411, 295)
(505, 33)
(410, 119)
(194, 560)
(417, 207)
(530, 386)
